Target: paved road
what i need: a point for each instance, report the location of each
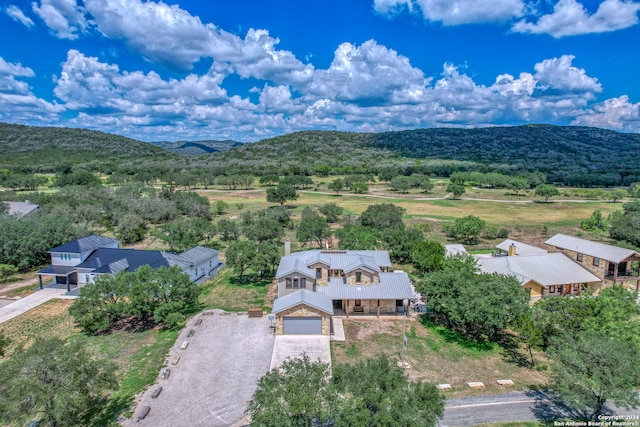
(216, 375)
(517, 406)
(27, 303)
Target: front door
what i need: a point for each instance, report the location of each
(337, 304)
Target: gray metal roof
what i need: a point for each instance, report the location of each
(456, 249)
(550, 269)
(84, 244)
(522, 249)
(336, 260)
(392, 286)
(20, 209)
(303, 296)
(195, 256)
(588, 247)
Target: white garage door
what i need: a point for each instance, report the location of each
(302, 325)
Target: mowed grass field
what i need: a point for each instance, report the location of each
(437, 355)
(521, 212)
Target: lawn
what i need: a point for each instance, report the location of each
(436, 355)
(224, 292)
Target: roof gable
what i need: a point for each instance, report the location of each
(312, 299)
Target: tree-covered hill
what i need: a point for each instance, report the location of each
(52, 146)
(568, 154)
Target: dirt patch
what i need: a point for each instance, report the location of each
(368, 329)
(31, 282)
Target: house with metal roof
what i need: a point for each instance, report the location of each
(455, 249)
(356, 283)
(21, 209)
(83, 260)
(612, 264)
(548, 275)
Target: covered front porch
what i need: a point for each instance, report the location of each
(370, 307)
(63, 275)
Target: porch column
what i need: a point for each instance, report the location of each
(346, 309)
(378, 313)
(40, 280)
(66, 280)
(615, 274)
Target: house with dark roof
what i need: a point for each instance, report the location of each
(83, 260)
(612, 264)
(321, 283)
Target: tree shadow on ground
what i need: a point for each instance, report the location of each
(511, 352)
(254, 280)
(548, 407)
(455, 337)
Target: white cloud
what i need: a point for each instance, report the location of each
(87, 84)
(18, 15)
(570, 18)
(615, 113)
(17, 102)
(369, 74)
(64, 17)
(455, 12)
(560, 74)
(173, 37)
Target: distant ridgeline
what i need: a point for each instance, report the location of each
(570, 155)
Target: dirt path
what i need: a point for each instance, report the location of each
(5, 289)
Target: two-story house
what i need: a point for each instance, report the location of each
(83, 260)
(612, 264)
(315, 284)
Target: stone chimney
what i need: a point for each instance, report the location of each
(512, 249)
(287, 247)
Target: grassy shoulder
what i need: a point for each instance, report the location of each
(438, 355)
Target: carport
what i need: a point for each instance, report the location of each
(303, 313)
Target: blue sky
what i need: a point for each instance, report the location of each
(251, 69)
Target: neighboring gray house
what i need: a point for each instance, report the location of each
(613, 264)
(21, 209)
(83, 260)
(355, 282)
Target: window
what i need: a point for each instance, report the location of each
(575, 288)
(358, 277)
(552, 289)
(318, 273)
(358, 303)
(303, 282)
(579, 257)
(288, 283)
(596, 262)
(295, 283)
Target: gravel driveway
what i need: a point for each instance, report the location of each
(216, 375)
